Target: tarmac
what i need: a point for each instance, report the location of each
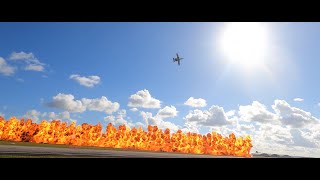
(107, 153)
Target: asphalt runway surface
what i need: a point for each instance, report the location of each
(105, 153)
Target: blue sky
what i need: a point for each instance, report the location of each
(239, 77)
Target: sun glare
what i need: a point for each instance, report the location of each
(244, 44)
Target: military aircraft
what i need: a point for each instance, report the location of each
(177, 59)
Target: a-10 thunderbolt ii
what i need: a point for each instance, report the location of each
(178, 59)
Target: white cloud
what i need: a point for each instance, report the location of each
(33, 64)
(6, 69)
(60, 116)
(298, 99)
(284, 114)
(215, 116)
(195, 102)
(190, 127)
(122, 115)
(2, 114)
(122, 119)
(256, 112)
(67, 103)
(244, 129)
(286, 130)
(134, 109)
(301, 138)
(21, 56)
(89, 81)
(276, 133)
(293, 116)
(34, 67)
(143, 99)
(313, 134)
(149, 119)
(33, 115)
(158, 121)
(230, 113)
(109, 118)
(224, 131)
(271, 132)
(20, 80)
(167, 112)
(197, 116)
(102, 104)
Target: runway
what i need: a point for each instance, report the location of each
(92, 153)
(106, 153)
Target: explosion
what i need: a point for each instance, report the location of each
(57, 132)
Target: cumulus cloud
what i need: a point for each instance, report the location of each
(284, 113)
(149, 119)
(312, 134)
(6, 69)
(224, 131)
(195, 102)
(190, 127)
(102, 104)
(109, 118)
(231, 113)
(134, 109)
(158, 121)
(301, 138)
(143, 99)
(167, 112)
(33, 64)
(68, 103)
(34, 67)
(119, 119)
(298, 99)
(215, 116)
(276, 133)
(256, 112)
(122, 119)
(21, 56)
(293, 116)
(89, 81)
(33, 115)
(247, 128)
(58, 116)
(284, 129)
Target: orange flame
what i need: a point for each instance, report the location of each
(57, 132)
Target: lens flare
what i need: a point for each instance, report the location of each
(154, 139)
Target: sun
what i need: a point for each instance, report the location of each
(244, 44)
